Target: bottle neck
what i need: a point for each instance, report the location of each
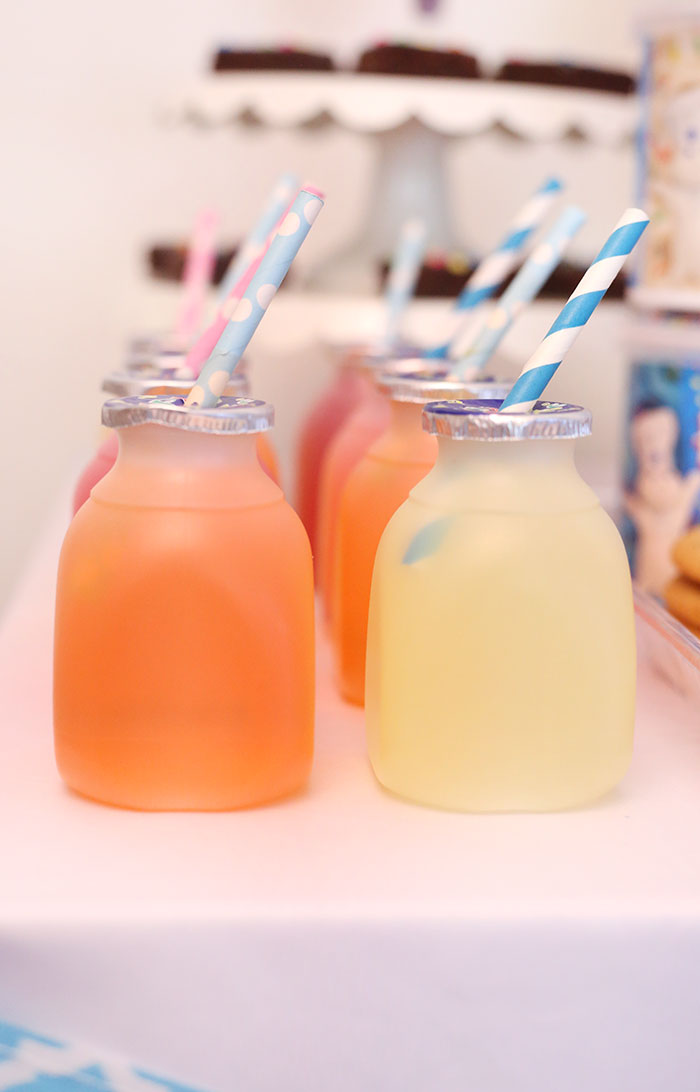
(514, 476)
(404, 440)
(166, 467)
(406, 418)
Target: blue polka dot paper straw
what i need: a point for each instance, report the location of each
(522, 289)
(280, 199)
(577, 310)
(256, 299)
(401, 283)
(494, 268)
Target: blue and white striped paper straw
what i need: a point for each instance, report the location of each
(401, 283)
(280, 199)
(577, 310)
(522, 289)
(257, 298)
(495, 267)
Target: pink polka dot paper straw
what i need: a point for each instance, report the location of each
(256, 299)
(198, 270)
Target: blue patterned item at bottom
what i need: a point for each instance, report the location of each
(30, 1062)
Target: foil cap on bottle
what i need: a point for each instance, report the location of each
(230, 415)
(146, 347)
(479, 419)
(155, 353)
(151, 380)
(419, 381)
(376, 359)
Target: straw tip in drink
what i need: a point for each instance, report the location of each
(552, 185)
(195, 397)
(314, 192)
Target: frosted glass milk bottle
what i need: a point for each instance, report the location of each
(501, 651)
(377, 485)
(184, 635)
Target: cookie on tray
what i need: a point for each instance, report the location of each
(683, 601)
(686, 554)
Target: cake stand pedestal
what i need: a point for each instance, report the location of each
(409, 177)
(412, 120)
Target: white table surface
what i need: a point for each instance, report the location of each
(344, 940)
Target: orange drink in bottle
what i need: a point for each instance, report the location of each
(378, 484)
(184, 642)
(326, 417)
(363, 426)
(102, 461)
(268, 458)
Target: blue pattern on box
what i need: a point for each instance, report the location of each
(673, 383)
(30, 1062)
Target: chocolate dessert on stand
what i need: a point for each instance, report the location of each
(445, 275)
(440, 275)
(387, 59)
(284, 59)
(167, 262)
(563, 74)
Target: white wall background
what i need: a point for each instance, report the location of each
(88, 177)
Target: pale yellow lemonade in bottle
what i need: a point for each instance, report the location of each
(501, 649)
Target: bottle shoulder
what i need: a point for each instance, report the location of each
(188, 488)
(136, 533)
(508, 488)
(576, 544)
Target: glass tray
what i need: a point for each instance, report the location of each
(667, 645)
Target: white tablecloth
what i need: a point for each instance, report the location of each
(344, 940)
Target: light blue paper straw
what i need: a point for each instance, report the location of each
(252, 306)
(279, 200)
(495, 267)
(522, 290)
(401, 283)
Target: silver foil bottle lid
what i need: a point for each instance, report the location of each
(149, 379)
(230, 415)
(147, 346)
(418, 380)
(377, 359)
(479, 419)
(157, 353)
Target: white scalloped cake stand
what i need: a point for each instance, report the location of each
(413, 119)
